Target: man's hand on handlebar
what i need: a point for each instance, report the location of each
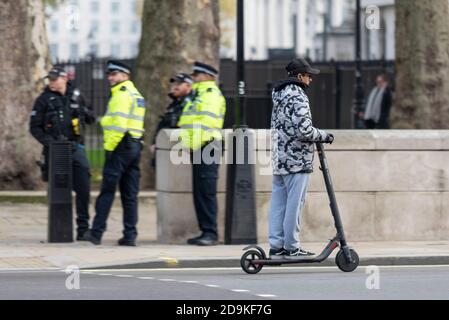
(330, 139)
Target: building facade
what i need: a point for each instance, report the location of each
(379, 43)
(317, 29)
(102, 28)
(273, 26)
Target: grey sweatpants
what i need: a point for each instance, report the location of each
(288, 198)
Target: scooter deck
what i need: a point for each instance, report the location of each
(277, 262)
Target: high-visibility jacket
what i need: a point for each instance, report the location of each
(125, 113)
(203, 116)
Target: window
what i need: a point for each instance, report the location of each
(115, 50)
(74, 51)
(54, 26)
(94, 27)
(95, 6)
(73, 17)
(134, 6)
(317, 54)
(115, 27)
(115, 7)
(93, 50)
(74, 27)
(135, 27)
(134, 50)
(54, 51)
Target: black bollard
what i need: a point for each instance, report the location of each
(241, 222)
(60, 216)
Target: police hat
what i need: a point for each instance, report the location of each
(200, 67)
(300, 65)
(182, 78)
(114, 65)
(55, 73)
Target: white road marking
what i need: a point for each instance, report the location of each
(266, 295)
(265, 268)
(146, 278)
(212, 286)
(95, 271)
(124, 276)
(240, 290)
(189, 281)
(167, 280)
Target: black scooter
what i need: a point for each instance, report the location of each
(347, 259)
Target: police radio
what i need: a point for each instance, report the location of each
(78, 120)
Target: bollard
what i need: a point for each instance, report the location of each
(60, 216)
(241, 223)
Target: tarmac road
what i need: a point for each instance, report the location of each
(323, 283)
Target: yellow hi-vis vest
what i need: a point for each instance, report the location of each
(125, 113)
(203, 117)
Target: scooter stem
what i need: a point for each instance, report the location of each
(331, 194)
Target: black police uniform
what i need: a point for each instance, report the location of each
(172, 114)
(171, 117)
(52, 120)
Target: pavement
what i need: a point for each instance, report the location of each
(23, 246)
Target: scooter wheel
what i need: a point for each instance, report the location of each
(344, 265)
(246, 262)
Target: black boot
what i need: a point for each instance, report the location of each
(194, 241)
(127, 243)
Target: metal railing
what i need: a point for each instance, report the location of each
(331, 94)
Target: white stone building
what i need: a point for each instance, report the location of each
(379, 43)
(286, 24)
(103, 28)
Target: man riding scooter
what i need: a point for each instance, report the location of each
(293, 154)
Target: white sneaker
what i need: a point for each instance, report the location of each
(299, 253)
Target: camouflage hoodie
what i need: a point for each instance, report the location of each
(293, 135)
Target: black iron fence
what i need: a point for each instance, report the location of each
(331, 94)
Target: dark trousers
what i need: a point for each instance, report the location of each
(122, 169)
(383, 124)
(370, 124)
(81, 186)
(205, 177)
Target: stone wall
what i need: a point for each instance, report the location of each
(390, 186)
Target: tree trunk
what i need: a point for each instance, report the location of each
(422, 65)
(24, 57)
(175, 33)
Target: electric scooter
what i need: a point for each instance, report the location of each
(347, 259)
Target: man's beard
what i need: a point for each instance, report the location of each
(304, 86)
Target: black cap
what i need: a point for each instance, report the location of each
(181, 78)
(200, 67)
(300, 65)
(55, 73)
(114, 65)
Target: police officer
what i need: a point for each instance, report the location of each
(201, 124)
(123, 127)
(181, 89)
(61, 113)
